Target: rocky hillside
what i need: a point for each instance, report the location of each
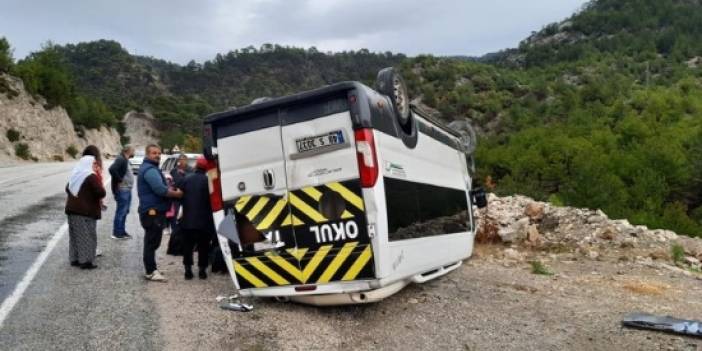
(140, 128)
(29, 131)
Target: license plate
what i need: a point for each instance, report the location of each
(317, 142)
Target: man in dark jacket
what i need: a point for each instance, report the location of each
(122, 182)
(153, 204)
(197, 224)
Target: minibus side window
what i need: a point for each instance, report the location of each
(418, 210)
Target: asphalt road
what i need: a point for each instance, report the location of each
(65, 308)
(31, 210)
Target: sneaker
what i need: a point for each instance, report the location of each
(119, 237)
(126, 236)
(188, 274)
(155, 276)
(202, 274)
(98, 253)
(75, 264)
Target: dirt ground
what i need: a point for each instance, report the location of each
(487, 304)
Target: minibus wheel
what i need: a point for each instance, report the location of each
(390, 83)
(468, 139)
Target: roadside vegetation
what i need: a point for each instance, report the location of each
(537, 267)
(22, 151)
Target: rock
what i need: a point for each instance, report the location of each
(606, 233)
(517, 232)
(667, 235)
(592, 254)
(659, 254)
(645, 261)
(533, 235)
(628, 243)
(513, 254)
(535, 211)
(691, 261)
(595, 219)
(412, 301)
(623, 226)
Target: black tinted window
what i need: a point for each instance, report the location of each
(417, 210)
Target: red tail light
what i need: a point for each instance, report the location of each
(215, 185)
(367, 160)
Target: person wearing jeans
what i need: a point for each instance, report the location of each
(122, 183)
(153, 204)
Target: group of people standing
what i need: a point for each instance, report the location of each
(189, 189)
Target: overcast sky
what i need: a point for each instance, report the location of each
(180, 30)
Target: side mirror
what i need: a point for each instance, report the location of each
(479, 197)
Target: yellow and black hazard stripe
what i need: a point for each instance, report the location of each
(303, 260)
(302, 206)
(349, 261)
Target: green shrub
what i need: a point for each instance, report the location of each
(124, 139)
(539, 268)
(12, 135)
(677, 252)
(22, 151)
(6, 61)
(72, 151)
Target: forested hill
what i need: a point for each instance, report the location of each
(99, 81)
(181, 95)
(636, 29)
(600, 110)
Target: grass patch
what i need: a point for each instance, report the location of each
(677, 252)
(539, 268)
(22, 151)
(12, 135)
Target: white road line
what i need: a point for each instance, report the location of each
(17, 294)
(13, 299)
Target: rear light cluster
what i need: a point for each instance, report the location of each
(215, 185)
(367, 159)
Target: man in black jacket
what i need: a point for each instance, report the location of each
(122, 183)
(197, 224)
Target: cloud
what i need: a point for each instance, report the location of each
(180, 30)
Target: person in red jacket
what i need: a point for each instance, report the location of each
(85, 193)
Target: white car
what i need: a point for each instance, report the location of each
(136, 161)
(169, 162)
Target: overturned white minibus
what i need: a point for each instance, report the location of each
(339, 195)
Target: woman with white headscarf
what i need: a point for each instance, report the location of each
(85, 191)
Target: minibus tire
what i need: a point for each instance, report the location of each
(385, 85)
